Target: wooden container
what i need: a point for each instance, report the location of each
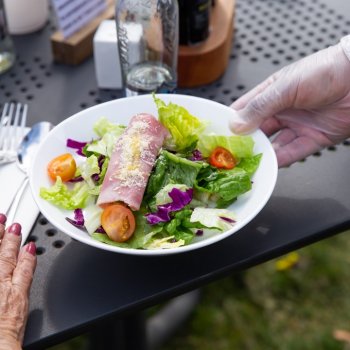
(205, 62)
(79, 46)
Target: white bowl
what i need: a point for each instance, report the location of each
(79, 127)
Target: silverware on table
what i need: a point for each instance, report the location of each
(12, 126)
(26, 152)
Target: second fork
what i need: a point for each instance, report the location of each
(12, 126)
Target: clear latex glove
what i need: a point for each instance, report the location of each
(306, 105)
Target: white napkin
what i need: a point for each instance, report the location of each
(10, 180)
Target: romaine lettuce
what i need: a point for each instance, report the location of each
(103, 126)
(109, 133)
(183, 126)
(103, 146)
(164, 243)
(179, 200)
(171, 169)
(162, 197)
(60, 195)
(92, 218)
(89, 168)
(239, 146)
(222, 219)
(250, 165)
(224, 185)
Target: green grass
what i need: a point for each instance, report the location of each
(266, 309)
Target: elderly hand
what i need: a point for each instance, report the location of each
(16, 272)
(306, 105)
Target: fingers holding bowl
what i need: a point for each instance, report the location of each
(9, 248)
(16, 263)
(17, 267)
(24, 270)
(22, 279)
(2, 225)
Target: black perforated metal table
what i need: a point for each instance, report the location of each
(79, 288)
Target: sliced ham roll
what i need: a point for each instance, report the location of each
(132, 160)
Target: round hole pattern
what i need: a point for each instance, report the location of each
(40, 250)
(51, 232)
(48, 238)
(43, 221)
(58, 244)
(280, 32)
(297, 21)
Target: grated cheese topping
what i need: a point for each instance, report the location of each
(136, 150)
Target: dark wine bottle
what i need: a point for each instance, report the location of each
(194, 21)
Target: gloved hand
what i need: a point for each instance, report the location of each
(306, 103)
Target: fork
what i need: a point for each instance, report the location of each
(12, 125)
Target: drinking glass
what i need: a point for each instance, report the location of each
(7, 54)
(148, 39)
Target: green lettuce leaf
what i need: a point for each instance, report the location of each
(103, 126)
(183, 126)
(109, 133)
(177, 226)
(103, 146)
(222, 187)
(89, 168)
(60, 195)
(239, 146)
(171, 169)
(210, 217)
(92, 217)
(164, 243)
(250, 165)
(162, 197)
(180, 229)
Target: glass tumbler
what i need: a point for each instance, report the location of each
(148, 40)
(7, 54)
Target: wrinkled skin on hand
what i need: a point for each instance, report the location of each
(305, 106)
(16, 272)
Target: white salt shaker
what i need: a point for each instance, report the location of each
(107, 64)
(25, 16)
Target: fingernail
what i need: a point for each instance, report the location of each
(236, 122)
(239, 128)
(31, 248)
(236, 126)
(2, 219)
(15, 229)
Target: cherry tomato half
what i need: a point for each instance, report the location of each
(118, 222)
(220, 157)
(63, 166)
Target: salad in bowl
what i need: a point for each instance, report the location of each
(159, 182)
